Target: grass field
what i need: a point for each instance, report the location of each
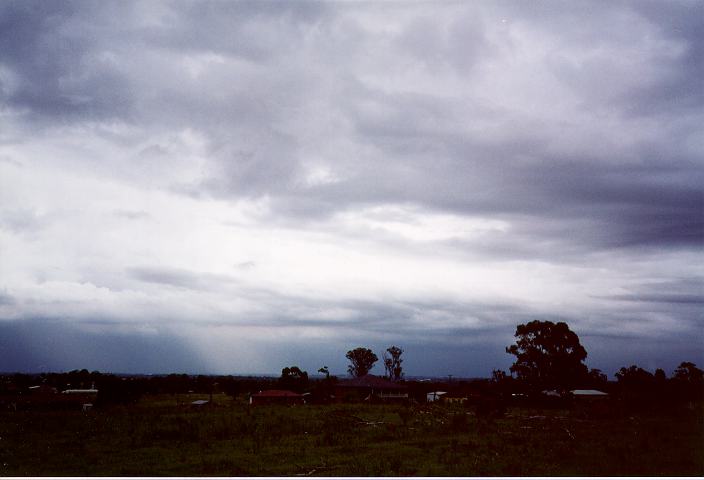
(162, 435)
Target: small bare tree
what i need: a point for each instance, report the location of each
(392, 363)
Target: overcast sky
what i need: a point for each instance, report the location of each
(236, 187)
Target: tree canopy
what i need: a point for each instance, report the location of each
(689, 381)
(688, 372)
(548, 355)
(293, 378)
(362, 360)
(634, 377)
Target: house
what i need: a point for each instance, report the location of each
(591, 402)
(80, 391)
(276, 397)
(588, 397)
(589, 394)
(434, 396)
(79, 396)
(370, 388)
(42, 389)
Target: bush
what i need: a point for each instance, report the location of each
(490, 407)
(458, 423)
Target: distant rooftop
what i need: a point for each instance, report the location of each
(588, 393)
(277, 393)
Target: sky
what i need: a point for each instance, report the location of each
(236, 187)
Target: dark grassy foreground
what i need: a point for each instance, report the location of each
(160, 437)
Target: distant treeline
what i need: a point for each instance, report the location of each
(634, 387)
(126, 388)
(131, 387)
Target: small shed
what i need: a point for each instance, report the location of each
(276, 397)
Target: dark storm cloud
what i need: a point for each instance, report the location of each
(654, 199)
(610, 353)
(435, 332)
(681, 91)
(58, 60)
(661, 298)
(619, 206)
(75, 61)
(686, 291)
(39, 345)
(575, 205)
(47, 49)
(676, 91)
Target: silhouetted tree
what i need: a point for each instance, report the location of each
(392, 363)
(293, 378)
(688, 372)
(689, 381)
(634, 378)
(112, 389)
(362, 360)
(597, 379)
(203, 384)
(229, 386)
(637, 388)
(548, 355)
(323, 391)
(177, 383)
(79, 379)
(501, 382)
(498, 376)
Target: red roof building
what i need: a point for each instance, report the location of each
(276, 397)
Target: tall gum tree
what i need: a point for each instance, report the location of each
(361, 361)
(548, 355)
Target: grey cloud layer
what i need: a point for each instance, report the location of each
(275, 87)
(443, 148)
